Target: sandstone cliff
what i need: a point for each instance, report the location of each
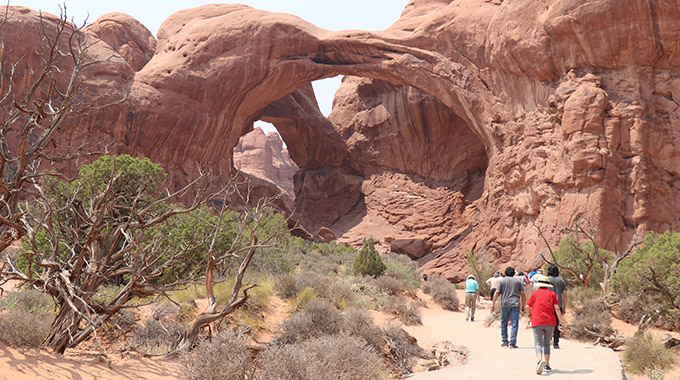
(467, 123)
(264, 156)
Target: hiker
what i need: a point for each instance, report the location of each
(536, 276)
(511, 293)
(493, 282)
(544, 310)
(471, 296)
(560, 288)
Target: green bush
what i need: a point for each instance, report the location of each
(368, 262)
(652, 276)
(569, 256)
(326, 357)
(226, 356)
(27, 300)
(644, 353)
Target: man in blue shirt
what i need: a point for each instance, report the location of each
(471, 295)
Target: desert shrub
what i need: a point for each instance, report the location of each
(27, 300)
(479, 264)
(286, 286)
(368, 261)
(652, 275)
(226, 356)
(402, 268)
(590, 320)
(303, 298)
(327, 357)
(403, 349)
(442, 292)
(408, 313)
(318, 318)
(579, 295)
(28, 318)
(646, 353)
(19, 328)
(391, 285)
(629, 309)
(156, 336)
(360, 324)
(411, 315)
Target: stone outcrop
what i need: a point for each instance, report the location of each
(265, 157)
(468, 122)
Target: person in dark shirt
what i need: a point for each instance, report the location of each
(560, 288)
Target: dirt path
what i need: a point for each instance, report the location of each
(488, 360)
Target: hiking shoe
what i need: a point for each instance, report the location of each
(547, 368)
(540, 367)
(556, 346)
(466, 318)
(472, 319)
(512, 345)
(504, 345)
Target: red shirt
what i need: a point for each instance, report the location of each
(542, 302)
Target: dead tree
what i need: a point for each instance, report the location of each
(39, 90)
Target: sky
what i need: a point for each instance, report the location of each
(330, 15)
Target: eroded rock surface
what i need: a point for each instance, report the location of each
(265, 157)
(468, 122)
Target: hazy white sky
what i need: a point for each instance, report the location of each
(331, 15)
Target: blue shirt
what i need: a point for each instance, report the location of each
(471, 286)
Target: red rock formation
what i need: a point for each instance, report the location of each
(480, 121)
(264, 157)
(127, 36)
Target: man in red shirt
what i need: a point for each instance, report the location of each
(543, 307)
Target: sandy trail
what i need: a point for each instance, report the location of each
(488, 360)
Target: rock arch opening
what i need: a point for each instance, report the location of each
(389, 159)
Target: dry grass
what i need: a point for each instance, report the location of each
(645, 353)
(442, 292)
(226, 356)
(19, 328)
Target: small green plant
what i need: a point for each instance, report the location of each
(368, 262)
(303, 298)
(645, 353)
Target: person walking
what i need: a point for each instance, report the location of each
(560, 288)
(544, 310)
(493, 282)
(471, 296)
(511, 293)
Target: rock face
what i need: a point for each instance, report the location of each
(265, 157)
(468, 123)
